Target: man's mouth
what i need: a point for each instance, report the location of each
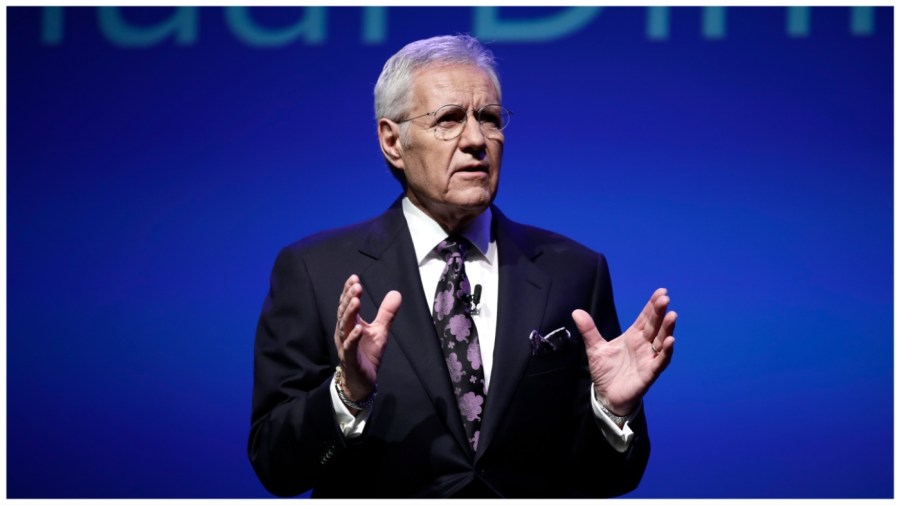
(480, 168)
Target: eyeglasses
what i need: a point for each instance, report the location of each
(450, 120)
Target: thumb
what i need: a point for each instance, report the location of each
(585, 324)
(389, 307)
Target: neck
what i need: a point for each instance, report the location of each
(452, 220)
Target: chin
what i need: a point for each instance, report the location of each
(479, 199)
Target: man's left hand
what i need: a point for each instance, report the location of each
(624, 369)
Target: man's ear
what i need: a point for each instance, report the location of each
(389, 139)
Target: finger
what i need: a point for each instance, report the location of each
(353, 279)
(351, 316)
(585, 324)
(667, 350)
(349, 282)
(388, 309)
(349, 346)
(644, 315)
(352, 288)
(653, 314)
(666, 328)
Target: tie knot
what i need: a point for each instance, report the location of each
(453, 246)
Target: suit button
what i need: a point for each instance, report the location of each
(327, 455)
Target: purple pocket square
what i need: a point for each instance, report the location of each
(554, 340)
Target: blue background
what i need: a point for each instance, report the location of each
(746, 167)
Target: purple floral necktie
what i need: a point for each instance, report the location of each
(458, 335)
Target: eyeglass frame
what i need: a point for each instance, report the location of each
(476, 114)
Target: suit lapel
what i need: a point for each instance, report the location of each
(413, 332)
(522, 300)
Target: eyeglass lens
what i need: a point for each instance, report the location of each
(451, 119)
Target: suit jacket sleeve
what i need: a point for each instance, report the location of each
(292, 435)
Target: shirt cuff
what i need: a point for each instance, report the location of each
(350, 426)
(618, 438)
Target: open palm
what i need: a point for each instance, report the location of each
(624, 368)
(361, 345)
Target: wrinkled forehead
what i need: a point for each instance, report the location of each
(441, 84)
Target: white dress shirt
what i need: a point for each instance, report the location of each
(482, 268)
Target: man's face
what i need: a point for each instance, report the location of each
(451, 180)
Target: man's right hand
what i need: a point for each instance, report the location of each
(360, 345)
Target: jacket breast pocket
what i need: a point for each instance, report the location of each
(569, 358)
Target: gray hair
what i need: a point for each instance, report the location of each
(393, 91)
(394, 86)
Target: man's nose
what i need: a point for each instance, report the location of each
(472, 136)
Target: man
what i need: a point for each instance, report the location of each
(442, 390)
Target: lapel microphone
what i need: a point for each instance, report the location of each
(474, 299)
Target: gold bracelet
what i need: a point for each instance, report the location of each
(339, 386)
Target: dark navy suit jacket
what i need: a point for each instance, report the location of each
(538, 437)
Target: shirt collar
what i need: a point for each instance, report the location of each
(427, 233)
